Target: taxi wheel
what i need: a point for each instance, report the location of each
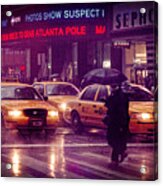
(50, 131)
(24, 132)
(76, 123)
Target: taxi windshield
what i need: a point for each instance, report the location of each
(138, 94)
(19, 93)
(61, 89)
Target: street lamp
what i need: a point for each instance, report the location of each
(106, 64)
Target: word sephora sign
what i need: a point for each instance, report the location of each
(130, 17)
(65, 14)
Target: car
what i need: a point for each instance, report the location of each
(88, 109)
(23, 108)
(58, 93)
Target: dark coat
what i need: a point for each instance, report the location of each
(118, 122)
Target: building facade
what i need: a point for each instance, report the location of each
(134, 36)
(71, 39)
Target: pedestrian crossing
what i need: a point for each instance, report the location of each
(74, 145)
(82, 162)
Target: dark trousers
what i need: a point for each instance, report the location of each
(118, 142)
(114, 156)
(115, 153)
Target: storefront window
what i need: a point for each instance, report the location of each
(14, 63)
(107, 61)
(140, 53)
(136, 62)
(136, 54)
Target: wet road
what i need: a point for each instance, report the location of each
(67, 155)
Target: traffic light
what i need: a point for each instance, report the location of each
(22, 68)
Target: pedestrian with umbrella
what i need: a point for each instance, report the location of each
(117, 118)
(117, 121)
(104, 76)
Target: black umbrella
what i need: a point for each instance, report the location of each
(105, 76)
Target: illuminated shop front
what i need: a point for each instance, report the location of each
(71, 39)
(67, 39)
(134, 38)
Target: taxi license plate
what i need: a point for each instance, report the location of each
(37, 123)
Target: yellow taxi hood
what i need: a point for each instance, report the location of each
(22, 104)
(149, 107)
(61, 99)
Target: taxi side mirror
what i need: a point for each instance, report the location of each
(102, 100)
(45, 98)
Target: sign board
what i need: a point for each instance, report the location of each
(121, 43)
(56, 21)
(82, 30)
(53, 15)
(130, 16)
(88, 13)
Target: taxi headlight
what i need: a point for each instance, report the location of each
(145, 116)
(15, 113)
(63, 106)
(53, 113)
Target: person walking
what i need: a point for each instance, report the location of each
(117, 121)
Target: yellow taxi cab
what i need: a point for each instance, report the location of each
(58, 93)
(23, 108)
(89, 110)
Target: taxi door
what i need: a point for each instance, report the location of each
(100, 109)
(87, 105)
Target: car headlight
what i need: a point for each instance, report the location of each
(144, 116)
(15, 113)
(53, 113)
(63, 106)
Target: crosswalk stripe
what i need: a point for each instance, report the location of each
(7, 172)
(73, 145)
(104, 170)
(40, 166)
(97, 170)
(96, 174)
(148, 157)
(33, 163)
(72, 175)
(131, 155)
(130, 165)
(94, 162)
(133, 166)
